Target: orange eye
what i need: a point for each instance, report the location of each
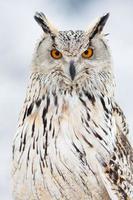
(56, 54)
(88, 53)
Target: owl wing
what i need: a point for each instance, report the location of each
(27, 116)
(117, 172)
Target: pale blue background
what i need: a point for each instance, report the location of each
(18, 34)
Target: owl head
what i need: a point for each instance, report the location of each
(75, 59)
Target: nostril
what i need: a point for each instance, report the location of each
(72, 70)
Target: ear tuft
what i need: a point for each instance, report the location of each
(42, 21)
(98, 27)
(103, 21)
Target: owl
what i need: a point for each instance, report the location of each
(71, 139)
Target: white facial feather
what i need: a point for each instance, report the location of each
(72, 44)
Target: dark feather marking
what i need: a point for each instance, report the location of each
(124, 195)
(41, 167)
(24, 115)
(37, 148)
(112, 173)
(46, 144)
(87, 141)
(53, 40)
(88, 116)
(81, 155)
(95, 124)
(50, 124)
(85, 186)
(103, 104)
(20, 147)
(33, 129)
(44, 125)
(104, 130)
(86, 123)
(89, 96)
(45, 110)
(84, 103)
(51, 167)
(42, 160)
(38, 102)
(13, 150)
(53, 132)
(82, 119)
(32, 171)
(24, 141)
(105, 148)
(56, 100)
(99, 137)
(114, 157)
(105, 45)
(87, 130)
(34, 143)
(40, 43)
(43, 97)
(60, 173)
(107, 116)
(30, 109)
(28, 155)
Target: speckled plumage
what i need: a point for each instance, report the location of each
(71, 141)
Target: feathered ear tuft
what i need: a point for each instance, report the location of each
(99, 25)
(44, 23)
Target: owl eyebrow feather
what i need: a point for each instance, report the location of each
(53, 40)
(88, 44)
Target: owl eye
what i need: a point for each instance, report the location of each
(88, 53)
(56, 54)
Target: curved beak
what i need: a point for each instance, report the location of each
(72, 70)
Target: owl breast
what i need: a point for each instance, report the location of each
(57, 145)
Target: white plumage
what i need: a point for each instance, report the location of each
(71, 139)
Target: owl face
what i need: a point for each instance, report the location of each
(72, 56)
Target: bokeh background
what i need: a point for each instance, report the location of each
(18, 35)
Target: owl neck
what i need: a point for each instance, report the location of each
(41, 85)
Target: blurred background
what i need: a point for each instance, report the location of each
(18, 35)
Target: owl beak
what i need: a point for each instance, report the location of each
(72, 70)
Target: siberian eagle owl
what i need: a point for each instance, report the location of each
(71, 141)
